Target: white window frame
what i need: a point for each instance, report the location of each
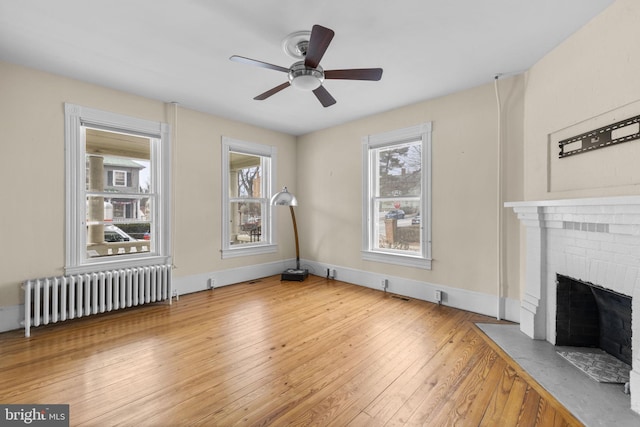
(372, 142)
(122, 174)
(268, 245)
(76, 119)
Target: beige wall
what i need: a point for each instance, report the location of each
(589, 81)
(465, 195)
(32, 173)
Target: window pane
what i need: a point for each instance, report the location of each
(245, 175)
(399, 170)
(118, 194)
(246, 222)
(117, 236)
(398, 225)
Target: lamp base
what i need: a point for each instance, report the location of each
(293, 274)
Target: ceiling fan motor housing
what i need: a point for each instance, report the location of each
(305, 78)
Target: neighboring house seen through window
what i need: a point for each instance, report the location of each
(396, 196)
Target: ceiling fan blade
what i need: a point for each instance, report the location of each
(273, 91)
(324, 96)
(318, 44)
(355, 74)
(257, 63)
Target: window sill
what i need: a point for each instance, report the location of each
(248, 251)
(403, 260)
(101, 265)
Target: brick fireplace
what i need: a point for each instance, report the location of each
(594, 240)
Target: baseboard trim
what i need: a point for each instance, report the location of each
(11, 317)
(477, 302)
(201, 282)
(463, 299)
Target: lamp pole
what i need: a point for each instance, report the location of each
(295, 233)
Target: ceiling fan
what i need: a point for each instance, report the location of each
(307, 74)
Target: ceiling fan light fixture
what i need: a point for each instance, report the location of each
(306, 82)
(305, 78)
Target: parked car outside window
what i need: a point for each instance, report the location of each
(115, 234)
(395, 214)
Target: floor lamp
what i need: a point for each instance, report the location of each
(284, 198)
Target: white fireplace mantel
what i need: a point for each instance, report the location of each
(595, 240)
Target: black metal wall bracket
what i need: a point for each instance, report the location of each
(616, 133)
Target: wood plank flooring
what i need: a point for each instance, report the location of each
(266, 352)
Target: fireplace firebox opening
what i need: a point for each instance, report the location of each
(591, 316)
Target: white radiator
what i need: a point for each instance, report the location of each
(56, 299)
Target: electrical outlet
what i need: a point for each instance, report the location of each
(333, 273)
(438, 296)
(211, 283)
(385, 284)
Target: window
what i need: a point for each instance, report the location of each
(397, 197)
(119, 179)
(247, 183)
(117, 188)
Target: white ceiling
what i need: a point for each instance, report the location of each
(178, 51)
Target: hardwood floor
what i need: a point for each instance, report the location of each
(267, 352)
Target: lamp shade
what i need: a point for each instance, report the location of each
(284, 198)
